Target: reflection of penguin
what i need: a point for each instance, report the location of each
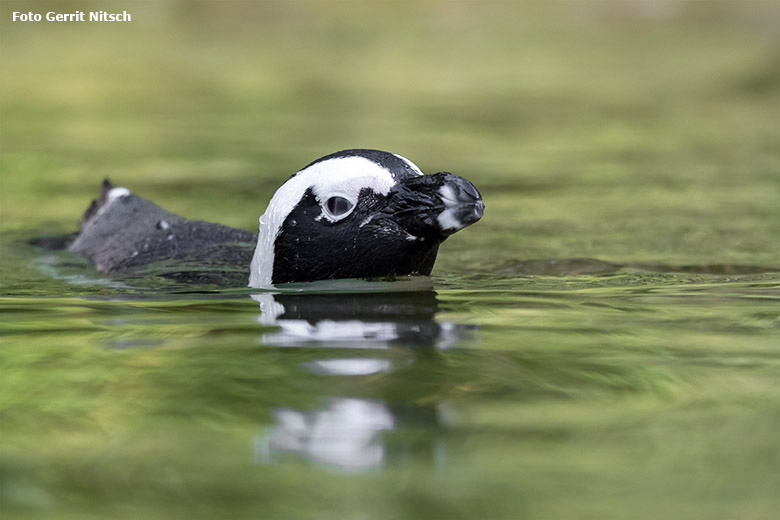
(353, 434)
(362, 432)
(357, 320)
(345, 434)
(351, 214)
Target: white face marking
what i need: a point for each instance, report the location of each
(410, 164)
(341, 176)
(448, 196)
(447, 219)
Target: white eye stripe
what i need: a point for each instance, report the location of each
(410, 164)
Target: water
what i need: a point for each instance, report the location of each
(605, 343)
(629, 393)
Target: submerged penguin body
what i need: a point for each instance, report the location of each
(125, 232)
(352, 214)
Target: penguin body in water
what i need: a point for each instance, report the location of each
(351, 214)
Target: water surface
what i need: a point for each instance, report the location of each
(531, 395)
(605, 343)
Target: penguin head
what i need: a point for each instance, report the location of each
(360, 214)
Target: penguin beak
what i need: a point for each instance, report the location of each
(436, 205)
(462, 203)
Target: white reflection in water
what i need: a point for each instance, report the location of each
(345, 434)
(349, 366)
(356, 321)
(346, 334)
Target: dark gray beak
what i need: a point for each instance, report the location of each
(462, 203)
(436, 205)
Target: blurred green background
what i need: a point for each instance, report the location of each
(636, 131)
(642, 130)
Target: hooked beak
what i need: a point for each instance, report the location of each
(436, 205)
(462, 202)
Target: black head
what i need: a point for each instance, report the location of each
(360, 214)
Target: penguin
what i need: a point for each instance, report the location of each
(359, 213)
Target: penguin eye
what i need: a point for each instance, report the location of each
(338, 206)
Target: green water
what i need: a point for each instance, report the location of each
(605, 343)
